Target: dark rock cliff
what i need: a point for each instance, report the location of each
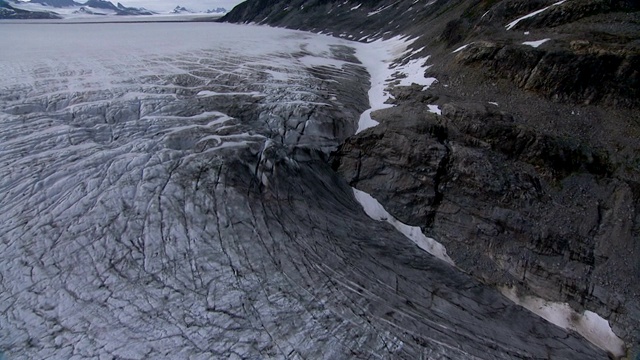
(531, 175)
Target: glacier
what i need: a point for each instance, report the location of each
(165, 193)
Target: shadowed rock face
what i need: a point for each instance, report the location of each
(592, 57)
(188, 209)
(530, 175)
(511, 206)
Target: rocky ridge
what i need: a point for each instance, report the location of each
(531, 175)
(51, 9)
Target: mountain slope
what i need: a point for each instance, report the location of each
(536, 181)
(9, 12)
(60, 8)
(119, 9)
(57, 3)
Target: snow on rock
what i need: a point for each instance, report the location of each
(376, 211)
(413, 73)
(535, 44)
(460, 48)
(588, 324)
(515, 22)
(435, 109)
(376, 12)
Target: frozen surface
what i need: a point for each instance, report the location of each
(164, 193)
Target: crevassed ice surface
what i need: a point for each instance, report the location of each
(164, 193)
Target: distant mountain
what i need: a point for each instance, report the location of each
(219, 10)
(181, 10)
(85, 10)
(132, 11)
(101, 4)
(119, 9)
(9, 12)
(57, 3)
(61, 7)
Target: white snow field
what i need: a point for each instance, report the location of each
(165, 194)
(386, 61)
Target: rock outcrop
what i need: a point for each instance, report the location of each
(512, 206)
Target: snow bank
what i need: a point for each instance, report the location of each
(377, 212)
(378, 57)
(588, 324)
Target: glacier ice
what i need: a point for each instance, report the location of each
(164, 193)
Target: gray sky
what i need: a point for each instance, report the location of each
(167, 5)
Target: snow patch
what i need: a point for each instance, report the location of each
(535, 44)
(377, 57)
(460, 48)
(377, 212)
(413, 73)
(588, 324)
(435, 109)
(356, 7)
